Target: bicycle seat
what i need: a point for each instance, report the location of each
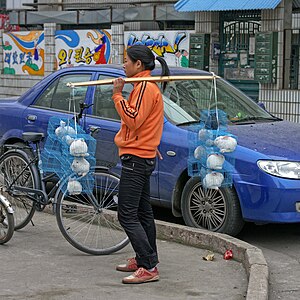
(32, 136)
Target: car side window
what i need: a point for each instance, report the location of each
(59, 96)
(104, 106)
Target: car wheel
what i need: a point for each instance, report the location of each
(215, 210)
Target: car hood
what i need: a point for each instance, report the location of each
(279, 140)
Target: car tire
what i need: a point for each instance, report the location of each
(214, 210)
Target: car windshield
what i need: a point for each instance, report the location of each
(184, 100)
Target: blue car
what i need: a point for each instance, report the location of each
(265, 170)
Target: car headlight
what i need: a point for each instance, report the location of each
(285, 169)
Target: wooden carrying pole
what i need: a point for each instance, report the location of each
(139, 79)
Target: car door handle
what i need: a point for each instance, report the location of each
(31, 118)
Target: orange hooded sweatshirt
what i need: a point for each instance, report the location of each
(142, 118)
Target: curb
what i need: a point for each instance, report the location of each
(250, 256)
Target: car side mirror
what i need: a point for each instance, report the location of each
(262, 105)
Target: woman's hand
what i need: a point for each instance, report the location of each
(158, 154)
(118, 85)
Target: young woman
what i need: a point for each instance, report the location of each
(137, 140)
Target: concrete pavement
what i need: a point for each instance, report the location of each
(38, 263)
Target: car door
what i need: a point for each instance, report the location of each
(56, 99)
(106, 119)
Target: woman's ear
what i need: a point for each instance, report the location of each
(139, 64)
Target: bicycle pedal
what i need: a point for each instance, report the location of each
(40, 207)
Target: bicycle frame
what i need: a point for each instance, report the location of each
(6, 204)
(40, 196)
(41, 193)
(81, 216)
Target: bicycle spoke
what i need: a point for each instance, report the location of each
(16, 172)
(88, 221)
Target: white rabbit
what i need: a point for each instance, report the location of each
(215, 161)
(209, 142)
(60, 131)
(199, 152)
(80, 166)
(205, 134)
(79, 148)
(74, 187)
(63, 129)
(70, 130)
(225, 143)
(68, 139)
(213, 180)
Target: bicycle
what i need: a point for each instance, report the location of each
(87, 220)
(6, 220)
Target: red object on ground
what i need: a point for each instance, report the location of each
(228, 254)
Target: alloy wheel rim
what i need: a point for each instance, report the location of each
(207, 208)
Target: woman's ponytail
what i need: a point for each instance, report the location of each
(165, 71)
(145, 55)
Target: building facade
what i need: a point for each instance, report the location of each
(255, 49)
(258, 51)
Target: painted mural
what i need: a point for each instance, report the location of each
(82, 47)
(173, 46)
(23, 53)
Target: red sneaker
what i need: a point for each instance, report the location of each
(131, 266)
(142, 275)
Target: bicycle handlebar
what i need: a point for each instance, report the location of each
(82, 107)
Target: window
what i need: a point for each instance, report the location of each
(61, 97)
(185, 100)
(3, 5)
(104, 106)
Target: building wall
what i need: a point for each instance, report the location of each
(14, 85)
(208, 22)
(278, 99)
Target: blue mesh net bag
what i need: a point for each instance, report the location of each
(69, 152)
(210, 148)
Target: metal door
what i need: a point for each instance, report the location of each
(237, 36)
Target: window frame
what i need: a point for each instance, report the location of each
(55, 82)
(111, 103)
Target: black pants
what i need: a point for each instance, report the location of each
(134, 209)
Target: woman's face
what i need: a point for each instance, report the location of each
(131, 68)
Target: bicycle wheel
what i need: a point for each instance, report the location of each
(88, 221)
(6, 223)
(14, 173)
